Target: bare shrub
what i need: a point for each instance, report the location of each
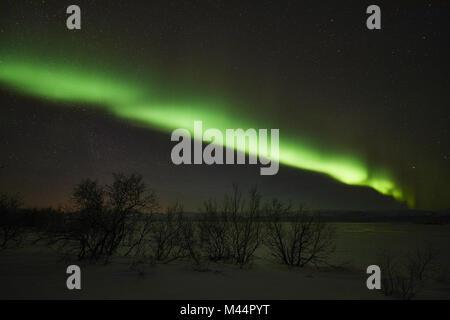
(405, 277)
(88, 230)
(245, 229)
(232, 232)
(126, 197)
(296, 238)
(407, 285)
(215, 233)
(11, 229)
(104, 216)
(137, 243)
(421, 261)
(137, 240)
(389, 272)
(190, 240)
(165, 237)
(442, 274)
(141, 262)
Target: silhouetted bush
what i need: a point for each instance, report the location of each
(165, 236)
(421, 261)
(190, 242)
(11, 222)
(296, 238)
(404, 278)
(245, 228)
(389, 269)
(105, 215)
(215, 233)
(135, 242)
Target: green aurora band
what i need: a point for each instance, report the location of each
(133, 102)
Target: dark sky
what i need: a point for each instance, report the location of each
(311, 66)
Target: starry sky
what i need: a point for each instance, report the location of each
(363, 115)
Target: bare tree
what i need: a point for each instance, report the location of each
(389, 275)
(165, 236)
(215, 233)
(405, 277)
(245, 229)
(189, 238)
(105, 215)
(126, 196)
(407, 285)
(88, 231)
(136, 240)
(296, 238)
(11, 230)
(420, 262)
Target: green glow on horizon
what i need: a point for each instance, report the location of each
(133, 102)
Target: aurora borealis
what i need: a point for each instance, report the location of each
(63, 84)
(325, 127)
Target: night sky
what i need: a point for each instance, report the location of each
(363, 115)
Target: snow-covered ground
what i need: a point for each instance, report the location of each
(39, 273)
